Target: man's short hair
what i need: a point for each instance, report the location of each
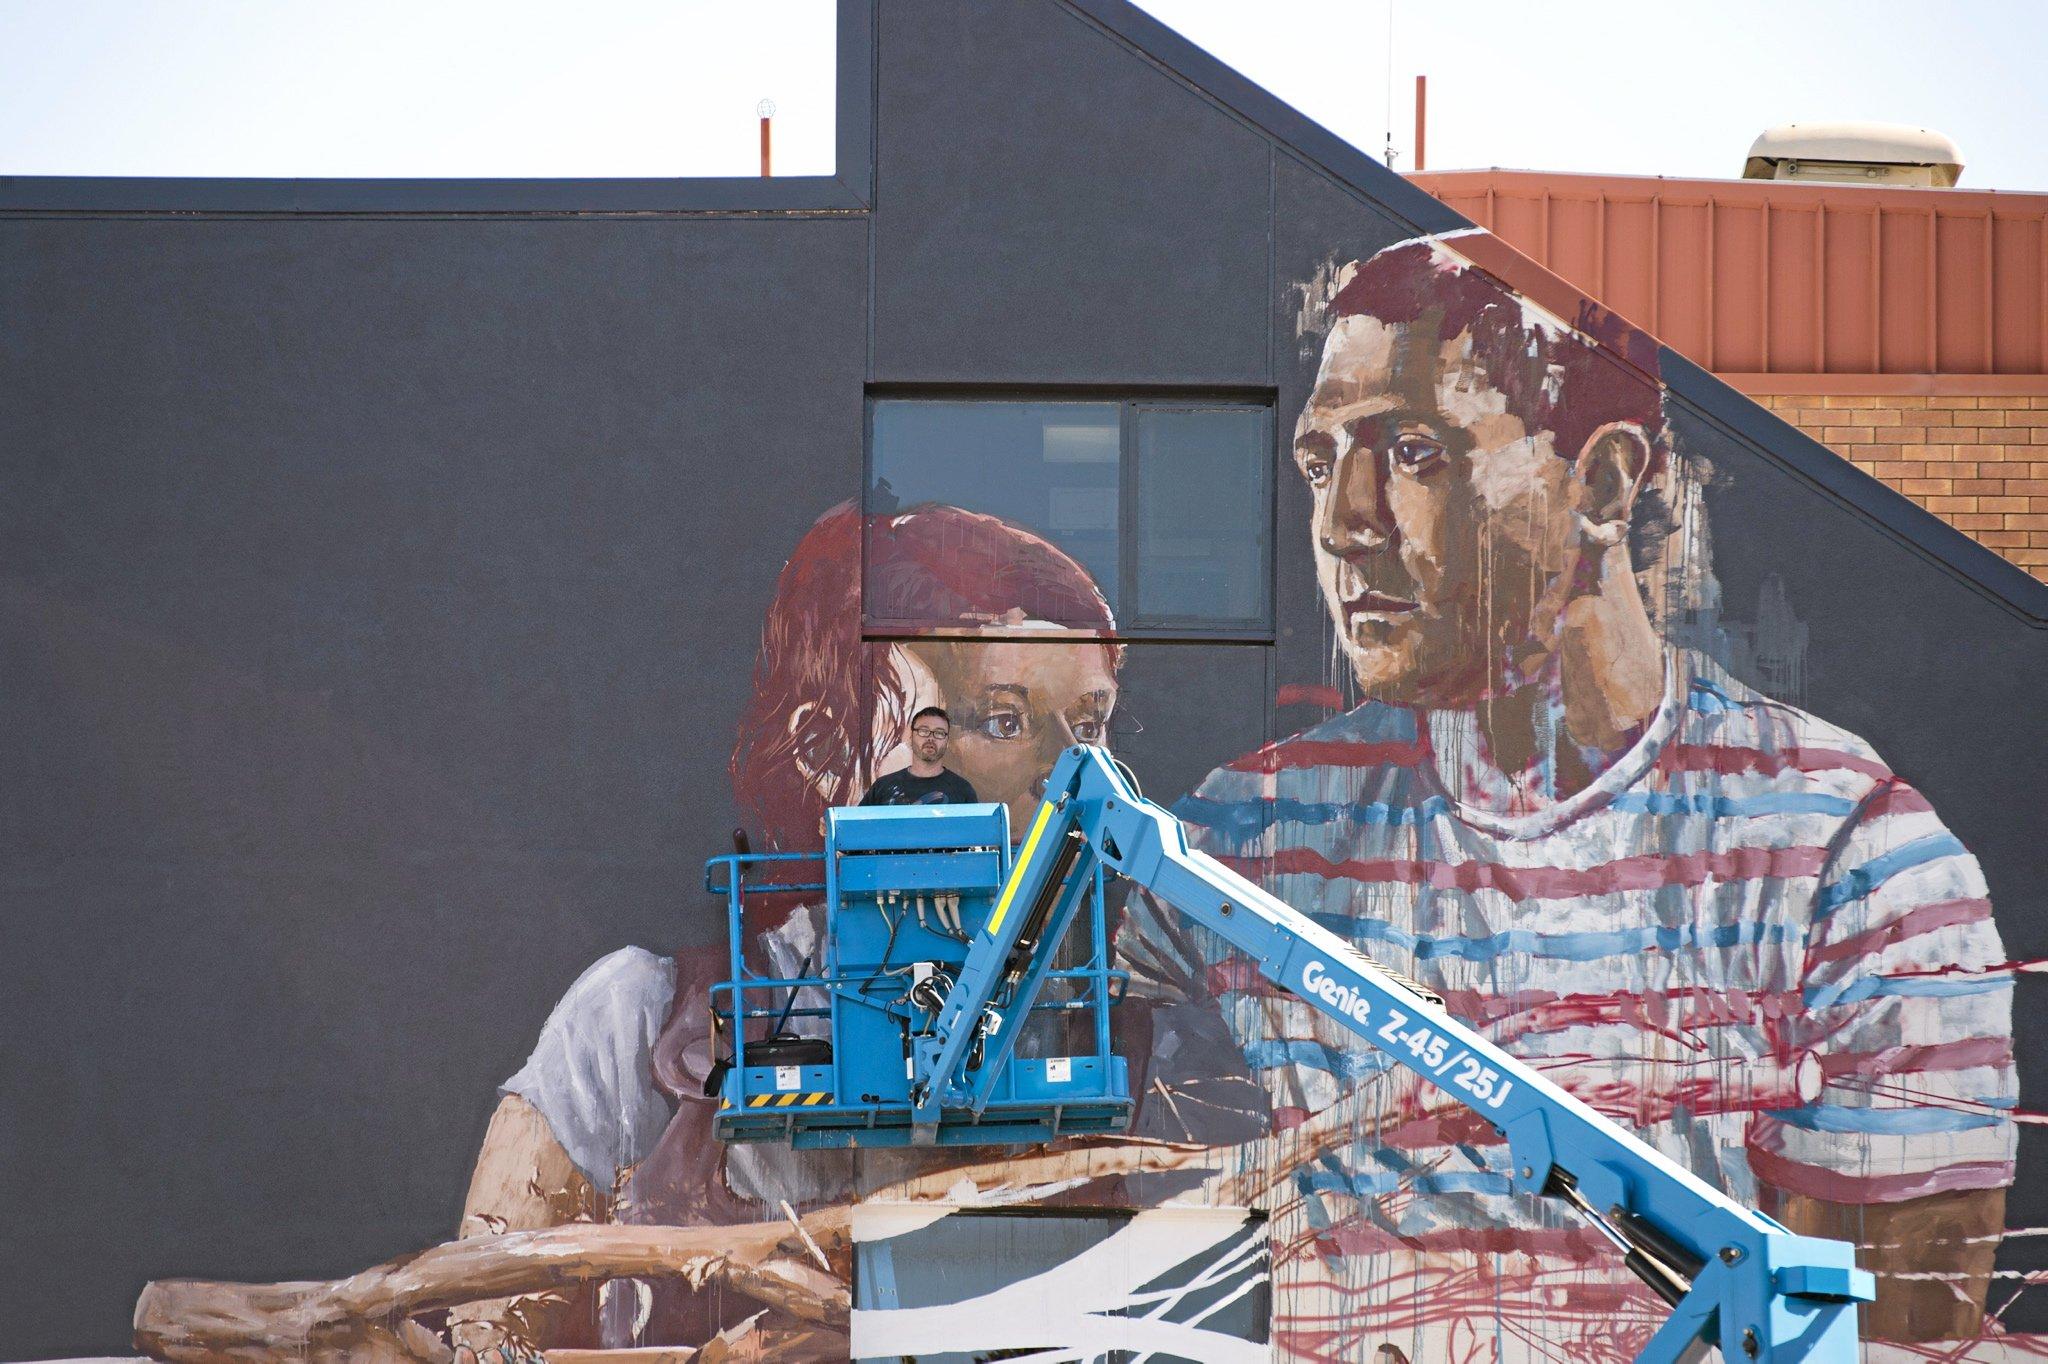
(1554, 378)
(931, 710)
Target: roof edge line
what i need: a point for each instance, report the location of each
(1274, 117)
(1985, 570)
(1850, 384)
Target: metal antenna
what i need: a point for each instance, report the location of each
(1390, 152)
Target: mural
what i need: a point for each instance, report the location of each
(1544, 789)
(609, 1118)
(1706, 913)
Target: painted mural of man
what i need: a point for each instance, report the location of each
(1714, 917)
(608, 1119)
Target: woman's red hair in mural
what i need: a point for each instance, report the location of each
(826, 705)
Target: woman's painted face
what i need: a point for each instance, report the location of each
(1014, 705)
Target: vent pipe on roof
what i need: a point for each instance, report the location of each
(1421, 122)
(1854, 153)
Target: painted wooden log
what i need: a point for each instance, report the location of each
(364, 1317)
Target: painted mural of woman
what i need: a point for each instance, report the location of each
(830, 711)
(608, 1119)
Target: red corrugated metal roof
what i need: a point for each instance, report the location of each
(1776, 277)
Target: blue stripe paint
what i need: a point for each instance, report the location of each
(1894, 1122)
(1374, 722)
(1275, 1053)
(1388, 1156)
(1245, 820)
(1360, 1185)
(1856, 989)
(1473, 1154)
(1874, 873)
(1732, 807)
(1584, 945)
(1707, 699)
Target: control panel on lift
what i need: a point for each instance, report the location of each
(824, 1058)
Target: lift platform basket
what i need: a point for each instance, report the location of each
(821, 1058)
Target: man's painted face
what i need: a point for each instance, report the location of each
(1014, 706)
(1445, 531)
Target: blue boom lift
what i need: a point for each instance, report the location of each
(939, 949)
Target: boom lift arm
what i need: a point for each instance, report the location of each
(1734, 1277)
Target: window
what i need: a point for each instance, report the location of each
(1166, 506)
(1170, 1285)
(1201, 516)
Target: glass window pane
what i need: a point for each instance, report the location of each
(1202, 522)
(1049, 470)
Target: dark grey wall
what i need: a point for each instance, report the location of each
(1050, 208)
(377, 599)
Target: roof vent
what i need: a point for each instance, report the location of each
(1855, 153)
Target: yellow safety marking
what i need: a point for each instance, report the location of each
(995, 920)
(785, 1100)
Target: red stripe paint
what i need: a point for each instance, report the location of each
(1573, 1314)
(1295, 753)
(1912, 924)
(1671, 1013)
(1678, 1010)
(1836, 1187)
(1730, 761)
(1964, 1054)
(1678, 1014)
(1360, 1236)
(1895, 798)
(1421, 1121)
(1287, 1117)
(1298, 694)
(1452, 1286)
(1648, 871)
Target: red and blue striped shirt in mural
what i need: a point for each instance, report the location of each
(1748, 939)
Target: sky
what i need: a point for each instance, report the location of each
(401, 88)
(456, 88)
(1645, 87)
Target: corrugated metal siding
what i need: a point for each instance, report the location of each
(1750, 276)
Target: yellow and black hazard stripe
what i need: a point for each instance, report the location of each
(791, 1100)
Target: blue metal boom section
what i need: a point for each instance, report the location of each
(1734, 1277)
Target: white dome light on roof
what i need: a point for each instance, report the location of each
(1880, 153)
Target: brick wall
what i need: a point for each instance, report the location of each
(1979, 463)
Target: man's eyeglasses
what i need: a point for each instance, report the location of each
(927, 732)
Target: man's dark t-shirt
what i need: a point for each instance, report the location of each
(900, 788)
